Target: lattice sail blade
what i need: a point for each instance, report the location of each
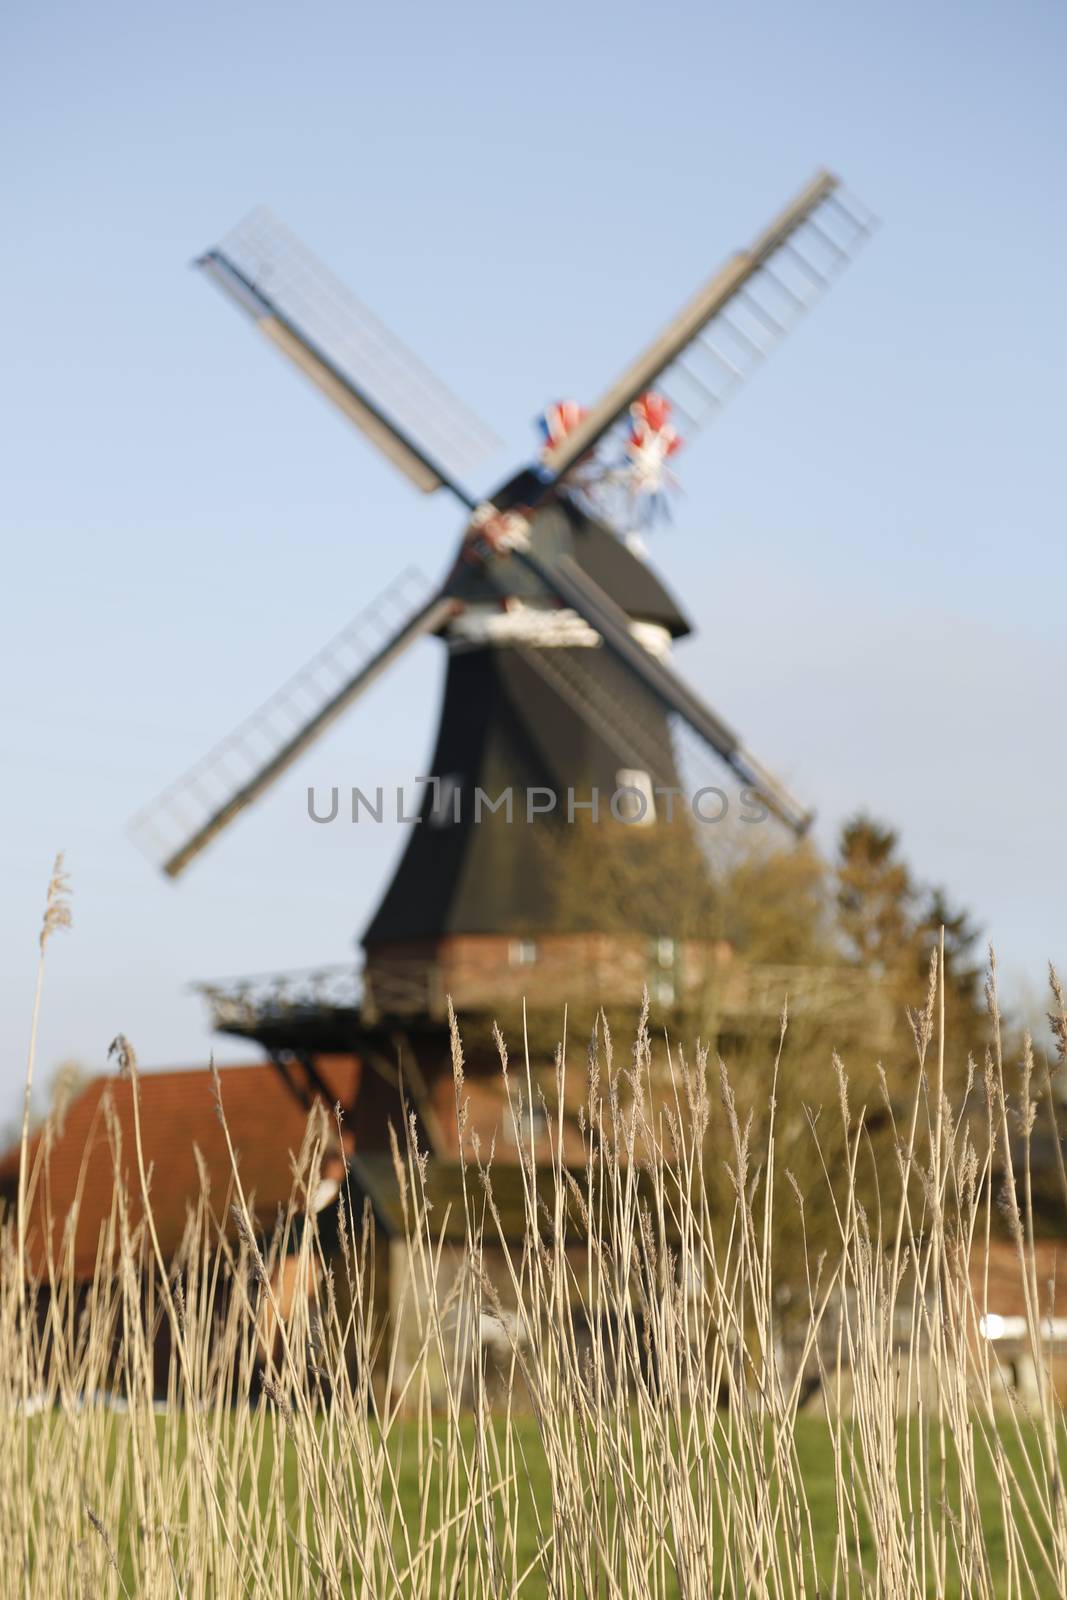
(348, 354)
(736, 319)
(175, 827)
(608, 707)
(576, 589)
(671, 753)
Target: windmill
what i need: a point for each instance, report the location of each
(557, 630)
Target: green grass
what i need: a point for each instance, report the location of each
(815, 1451)
(534, 1495)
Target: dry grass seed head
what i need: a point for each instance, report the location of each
(248, 1243)
(1058, 1019)
(455, 1045)
(57, 915)
(1008, 1205)
(501, 1048)
(121, 1050)
(274, 1392)
(842, 1090)
(1027, 1106)
(592, 1073)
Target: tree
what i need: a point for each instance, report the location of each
(875, 898)
(615, 877)
(890, 926)
(775, 905)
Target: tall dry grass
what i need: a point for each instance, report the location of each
(641, 1434)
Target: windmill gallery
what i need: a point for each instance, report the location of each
(561, 706)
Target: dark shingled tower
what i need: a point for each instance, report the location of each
(508, 723)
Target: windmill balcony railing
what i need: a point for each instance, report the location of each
(241, 1004)
(733, 991)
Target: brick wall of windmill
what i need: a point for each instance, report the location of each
(490, 971)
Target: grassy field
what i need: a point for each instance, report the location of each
(419, 1501)
(607, 1401)
(816, 1457)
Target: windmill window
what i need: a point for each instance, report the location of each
(635, 803)
(665, 991)
(531, 1124)
(445, 801)
(522, 952)
(665, 952)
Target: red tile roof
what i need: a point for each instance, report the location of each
(1004, 1275)
(267, 1120)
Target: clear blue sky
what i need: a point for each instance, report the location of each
(872, 538)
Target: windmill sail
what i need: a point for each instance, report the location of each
(582, 594)
(609, 707)
(185, 818)
(734, 321)
(605, 707)
(347, 353)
